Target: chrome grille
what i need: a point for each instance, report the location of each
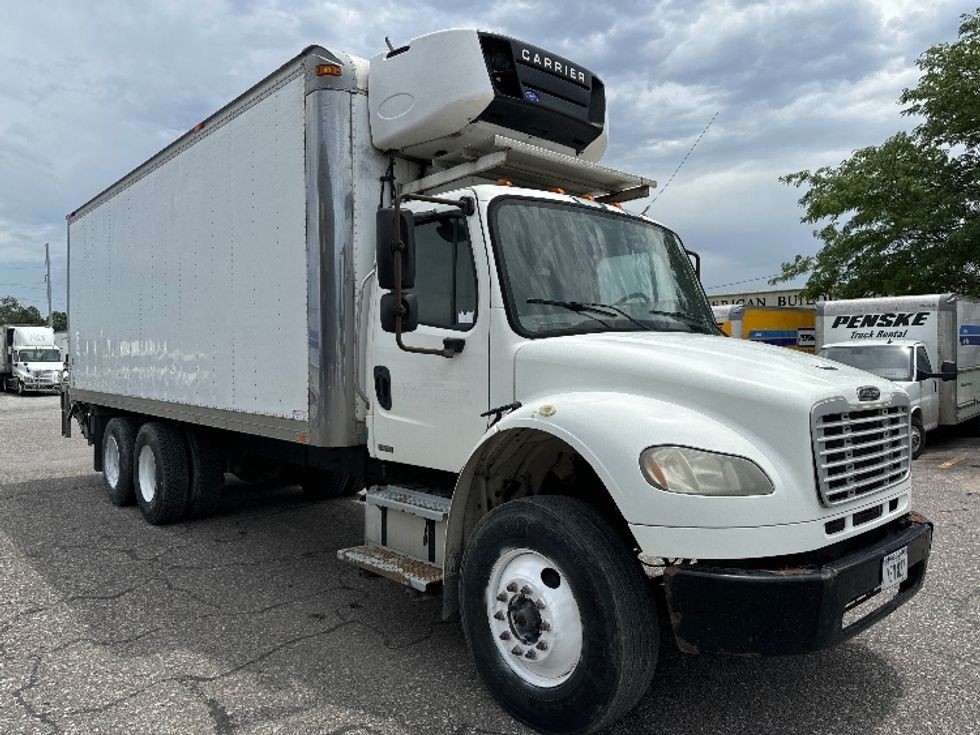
(859, 451)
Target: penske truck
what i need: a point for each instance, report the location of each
(412, 275)
(30, 361)
(929, 345)
(784, 326)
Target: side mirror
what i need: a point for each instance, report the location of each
(696, 261)
(948, 371)
(408, 310)
(385, 248)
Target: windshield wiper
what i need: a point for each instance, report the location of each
(597, 308)
(681, 316)
(578, 307)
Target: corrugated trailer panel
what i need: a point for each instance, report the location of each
(968, 358)
(223, 225)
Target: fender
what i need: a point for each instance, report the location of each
(608, 430)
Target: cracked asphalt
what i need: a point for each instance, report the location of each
(246, 622)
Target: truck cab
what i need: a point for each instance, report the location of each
(905, 363)
(32, 362)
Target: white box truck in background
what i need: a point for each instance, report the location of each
(30, 361)
(411, 274)
(929, 345)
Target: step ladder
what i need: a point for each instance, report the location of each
(405, 536)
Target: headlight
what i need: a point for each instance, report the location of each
(698, 472)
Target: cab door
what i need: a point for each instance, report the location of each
(425, 409)
(929, 389)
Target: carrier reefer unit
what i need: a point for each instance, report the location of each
(929, 345)
(411, 274)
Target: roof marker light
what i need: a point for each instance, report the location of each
(327, 70)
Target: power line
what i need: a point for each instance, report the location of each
(738, 283)
(683, 161)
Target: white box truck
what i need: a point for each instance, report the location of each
(929, 345)
(410, 274)
(30, 361)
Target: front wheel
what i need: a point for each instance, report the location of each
(918, 437)
(558, 615)
(20, 387)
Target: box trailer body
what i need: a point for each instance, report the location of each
(414, 276)
(774, 325)
(30, 361)
(945, 326)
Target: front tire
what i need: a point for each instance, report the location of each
(918, 437)
(558, 615)
(20, 388)
(160, 473)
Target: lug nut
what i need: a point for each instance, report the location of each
(542, 645)
(531, 655)
(545, 625)
(512, 587)
(505, 636)
(502, 597)
(498, 615)
(525, 590)
(517, 651)
(539, 604)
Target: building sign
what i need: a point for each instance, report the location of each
(789, 297)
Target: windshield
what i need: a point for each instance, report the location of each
(893, 362)
(570, 268)
(39, 355)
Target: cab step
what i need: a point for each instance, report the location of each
(388, 563)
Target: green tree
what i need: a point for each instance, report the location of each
(59, 320)
(904, 217)
(13, 312)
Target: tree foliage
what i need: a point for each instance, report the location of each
(13, 312)
(904, 217)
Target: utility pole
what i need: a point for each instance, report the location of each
(47, 280)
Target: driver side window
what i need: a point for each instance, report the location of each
(922, 360)
(445, 277)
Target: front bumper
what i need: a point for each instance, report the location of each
(796, 607)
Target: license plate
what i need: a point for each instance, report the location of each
(895, 568)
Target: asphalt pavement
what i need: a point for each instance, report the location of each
(246, 622)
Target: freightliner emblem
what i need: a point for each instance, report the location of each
(868, 393)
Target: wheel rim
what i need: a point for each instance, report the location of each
(110, 461)
(534, 618)
(916, 438)
(147, 474)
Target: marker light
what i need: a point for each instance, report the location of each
(327, 70)
(699, 472)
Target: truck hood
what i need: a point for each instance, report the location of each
(716, 393)
(40, 367)
(694, 370)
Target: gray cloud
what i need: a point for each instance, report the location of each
(87, 92)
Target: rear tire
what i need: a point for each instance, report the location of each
(323, 485)
(549, 570)
(118, 443)
(918, 437)
(160, 473)
(206, 471)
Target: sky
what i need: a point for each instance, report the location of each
(88, 91)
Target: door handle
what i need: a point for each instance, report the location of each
(453, 345)
(382, 386)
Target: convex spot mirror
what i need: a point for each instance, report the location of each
(385, 248)
(408, 310)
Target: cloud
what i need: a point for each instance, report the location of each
(89, 91)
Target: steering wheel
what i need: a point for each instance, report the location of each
(633, 295)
